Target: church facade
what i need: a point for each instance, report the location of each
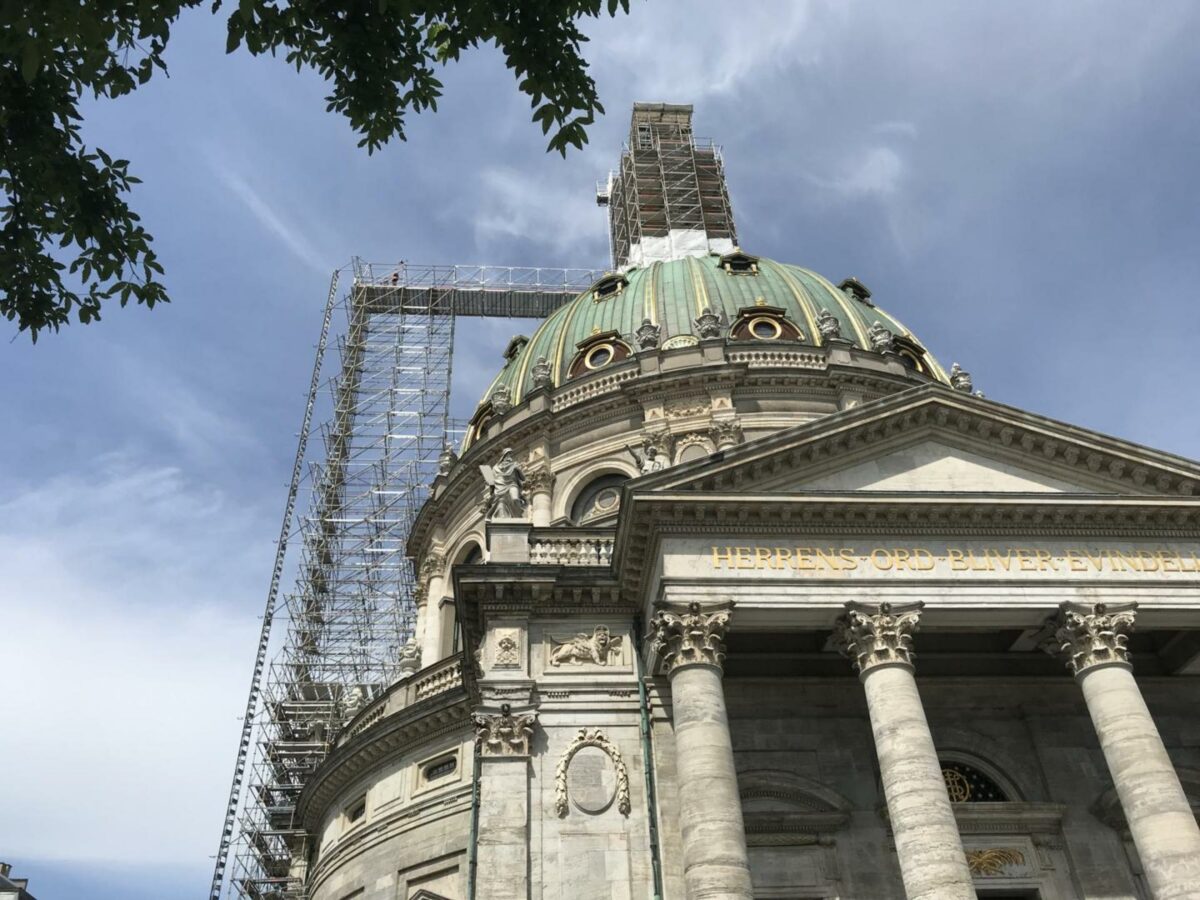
(733, 591)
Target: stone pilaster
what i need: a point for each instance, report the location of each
(692, 648)
(878, 641)
(539, 482)
(1092, 639)
(502, 846)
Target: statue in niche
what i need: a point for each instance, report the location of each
(505, 487)
(541, 373)
(882, 340)
(598, 647)
(828, 325)
(708, 324)
(648, 335)
(648, 459)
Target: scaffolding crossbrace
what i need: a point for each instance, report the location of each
(384, 410)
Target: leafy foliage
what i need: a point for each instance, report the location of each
(68, 239)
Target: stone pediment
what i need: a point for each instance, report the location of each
(932, 440)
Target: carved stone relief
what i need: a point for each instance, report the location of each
(508, 649)
(600, 647)
(591, 786)
(504, 734)
(995, 861)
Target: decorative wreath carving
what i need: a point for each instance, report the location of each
(590, 737)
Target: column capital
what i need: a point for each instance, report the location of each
(1089, 635)
(877, 634)
(693, 638)
(504, 733)
(539, 479)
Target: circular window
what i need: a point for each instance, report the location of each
(607, 500)
(599, 356)
(600, 498)
(765, 329)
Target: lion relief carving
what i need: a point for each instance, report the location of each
(600, 648)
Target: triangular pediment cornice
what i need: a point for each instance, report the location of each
(1105, 464)
(1127, 491)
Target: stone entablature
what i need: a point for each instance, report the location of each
(613, 396)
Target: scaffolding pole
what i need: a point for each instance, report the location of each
(386, 419)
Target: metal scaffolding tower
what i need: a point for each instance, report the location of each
(669, 196)
(384, 412)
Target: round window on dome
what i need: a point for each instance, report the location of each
(599, 356)
(765, 329)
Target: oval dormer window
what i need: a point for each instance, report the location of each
(597, 352)
(599, 356)
(765, 329)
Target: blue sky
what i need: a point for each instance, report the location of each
(1016, 181)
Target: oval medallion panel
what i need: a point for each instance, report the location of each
(593, 780)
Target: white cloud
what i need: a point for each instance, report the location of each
(283, 226)
(562, 218)
(126, 604)
(684, 53)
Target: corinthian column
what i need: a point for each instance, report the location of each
(1092, 638)
(431, 585)
(715, 862)
(878, 641)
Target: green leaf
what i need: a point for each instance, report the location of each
(31, 60)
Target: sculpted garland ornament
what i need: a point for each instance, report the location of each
(874, 636)
(691, 638)
(590, 737)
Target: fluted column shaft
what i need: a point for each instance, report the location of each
(715, 861)
(1160, 819)
(932, 861)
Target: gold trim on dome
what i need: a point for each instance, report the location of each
(801, 297)
(840, 296)
(649, 306)
(699, 288)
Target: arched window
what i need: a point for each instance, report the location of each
(968, 784)
(600, 498)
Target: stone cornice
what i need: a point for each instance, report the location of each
(493, 590)
(1094, 458)
(444, 713)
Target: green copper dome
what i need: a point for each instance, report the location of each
(673, 294)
